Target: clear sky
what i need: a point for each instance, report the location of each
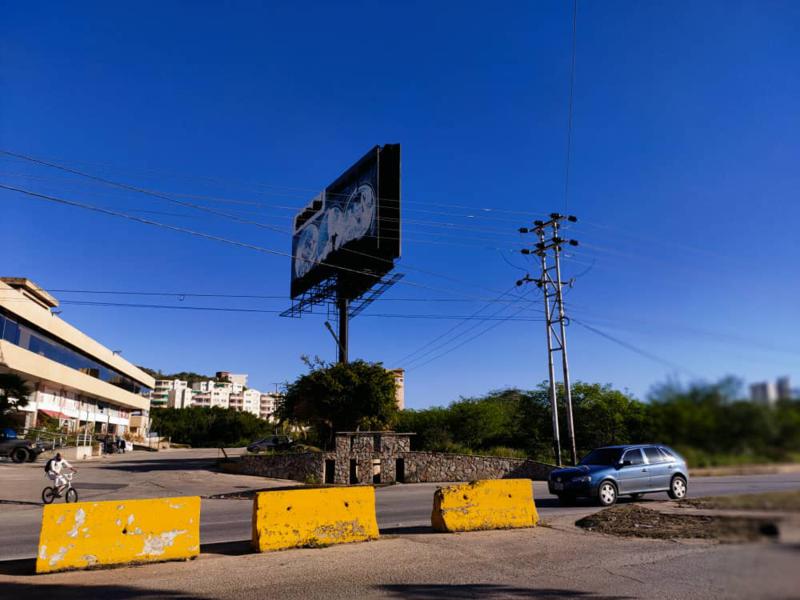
(684, 176)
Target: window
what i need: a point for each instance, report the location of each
(40, 343)
(668, 456)
(635, 456)
(653, 455)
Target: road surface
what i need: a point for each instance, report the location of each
(400, 508)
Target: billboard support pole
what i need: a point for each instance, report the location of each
(342, 304)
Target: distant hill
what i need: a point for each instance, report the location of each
(184, 375)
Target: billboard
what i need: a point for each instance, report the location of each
(351, 230)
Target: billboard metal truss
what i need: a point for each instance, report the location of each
(324, 294)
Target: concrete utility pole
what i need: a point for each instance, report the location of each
(554, 314)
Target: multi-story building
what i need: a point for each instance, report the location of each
(399, 387)
(238, 379)
(75, 380)
(180, 397)
(160, 395)
(784, 388)
(763, 393)
(267, 405)
(246, 401)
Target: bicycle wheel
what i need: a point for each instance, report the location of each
(48, 495)
(72, 495)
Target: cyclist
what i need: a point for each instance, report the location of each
(55, 468)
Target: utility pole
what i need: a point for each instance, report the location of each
(554, 314)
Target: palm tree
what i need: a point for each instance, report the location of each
(14, 392)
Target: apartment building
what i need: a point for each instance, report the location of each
(247, 401)
(160, 396)
(76, 381)
(267, 405)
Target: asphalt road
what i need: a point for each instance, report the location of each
(400, 508)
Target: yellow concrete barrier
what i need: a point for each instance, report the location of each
(490, 504)
(90, 534)
(313, 517)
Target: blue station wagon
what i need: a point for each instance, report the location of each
(607, 473)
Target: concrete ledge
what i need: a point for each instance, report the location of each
(92, 534)
(490, 504)
(313, 517)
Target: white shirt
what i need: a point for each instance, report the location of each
(57, 465)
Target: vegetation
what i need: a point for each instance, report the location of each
(340, 397)
(188, 376)
(705, 422)
(209, 427)
(14, 392)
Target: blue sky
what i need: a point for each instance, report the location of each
(684, 177)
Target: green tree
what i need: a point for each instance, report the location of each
(14, 392)
(202, 426)
(341, 397)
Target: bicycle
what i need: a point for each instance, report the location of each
(70, 493)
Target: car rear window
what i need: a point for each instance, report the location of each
(653, 455)
(669, 456)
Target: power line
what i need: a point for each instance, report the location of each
(200, 234)
(571, 93)
(423, 350)
(497, 323)
(635, 349)
(268, 311)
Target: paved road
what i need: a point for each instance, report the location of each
(400, 508)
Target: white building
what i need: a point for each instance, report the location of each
(160, 396)
(399, 387)
(76, 381)
(238, 379)
(763, 393)
(180, 397)
(246, 401)
(267, 405)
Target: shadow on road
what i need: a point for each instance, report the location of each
(21, 566)
(238, 548)
(63, 591)
(406, 530)
(435, 591)
(164, 464)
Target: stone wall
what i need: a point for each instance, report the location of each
(423, 467)
(418, 467)
(306, 466)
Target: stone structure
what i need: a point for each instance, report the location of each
(366, 457)
(386, 457)
(306, 466)
(423, 467)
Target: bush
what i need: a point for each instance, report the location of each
(209, 427)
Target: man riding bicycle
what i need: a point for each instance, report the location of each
(55, 469)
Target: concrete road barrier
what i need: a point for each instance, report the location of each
(488, 504)
(92, 534)
(313, 517)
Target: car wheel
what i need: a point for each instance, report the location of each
(607, 494)
(677, 488)
(636, 496)
(19, 455)
(566, 499)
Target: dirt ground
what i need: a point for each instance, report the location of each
(637, 521)
(772, 501)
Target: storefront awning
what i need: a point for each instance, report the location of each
(54, 414)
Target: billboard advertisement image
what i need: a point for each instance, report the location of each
(351, 230)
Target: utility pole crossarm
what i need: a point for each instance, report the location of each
(555, 314)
